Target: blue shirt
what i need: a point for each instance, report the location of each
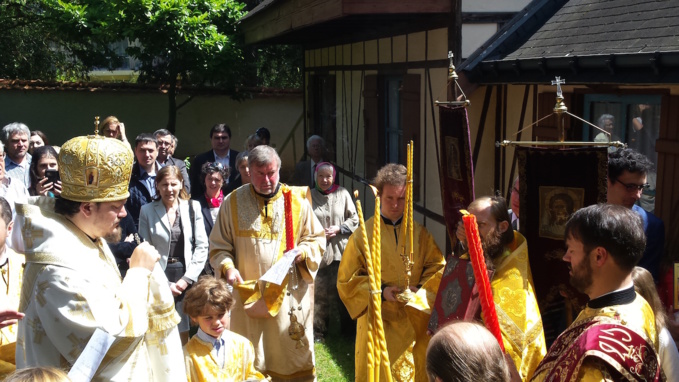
(18, 171)
(218, 348)
(149, 180)
(654, 228)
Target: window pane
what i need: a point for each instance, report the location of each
(607, 116)
(644, 127)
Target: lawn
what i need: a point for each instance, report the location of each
(335, 357)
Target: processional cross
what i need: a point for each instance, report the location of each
(558, 82)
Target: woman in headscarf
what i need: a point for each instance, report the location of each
(336, 211)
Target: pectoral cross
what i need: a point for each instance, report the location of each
(558, 82)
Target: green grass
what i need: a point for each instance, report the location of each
(335, 357)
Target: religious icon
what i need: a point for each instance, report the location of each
(557, 204)
(453, 158)
(92, 177)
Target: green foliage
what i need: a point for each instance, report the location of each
(276, 66)
(194, 40)
(38, 44)
(177, 42)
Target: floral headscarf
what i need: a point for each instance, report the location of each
(332, 188)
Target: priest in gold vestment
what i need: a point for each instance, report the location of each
(512, 284)
(12, 269)
(248, 238)
(614, 338)
(72, 288)
(406, 356)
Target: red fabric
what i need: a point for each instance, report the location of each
(289, 230)
(666, 289)
(215, 202)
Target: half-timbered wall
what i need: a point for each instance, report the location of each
(420, 59)
(499, 111)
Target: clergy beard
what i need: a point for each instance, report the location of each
(492, 243)
(582, 275)
(114, 236)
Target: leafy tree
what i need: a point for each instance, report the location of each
(178, 43)
(192, 42)
(38, 44)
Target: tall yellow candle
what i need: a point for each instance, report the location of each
(410, 194)
(366, 249)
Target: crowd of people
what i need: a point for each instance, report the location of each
(121, 262)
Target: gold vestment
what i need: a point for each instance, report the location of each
(405, 354)
(249, 234)
(201, 365)
(12, 276)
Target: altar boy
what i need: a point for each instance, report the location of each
(215, 353)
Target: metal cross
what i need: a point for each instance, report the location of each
(558, 82)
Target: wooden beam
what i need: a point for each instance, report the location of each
(363, 7)
(482, 125)
(289, 16)
(524, 106)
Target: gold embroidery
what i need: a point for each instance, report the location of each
(81, 307)
(38, 330)
(404, 367)
(152, 339)
(29, 233)
(41, 290)
(78, 345)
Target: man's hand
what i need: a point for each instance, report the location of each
(175, 291)
(9, 317)
(232, 276)
(390, 293)
(298, 253)
(460, 233)
(144, 256)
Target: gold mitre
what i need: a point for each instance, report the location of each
(95, 169)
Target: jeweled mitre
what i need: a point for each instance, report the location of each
(95, 169)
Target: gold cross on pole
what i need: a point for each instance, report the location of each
(558, 82)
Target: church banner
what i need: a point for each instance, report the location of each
(456, 169)
(553, 184)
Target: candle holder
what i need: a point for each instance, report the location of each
(407, 294)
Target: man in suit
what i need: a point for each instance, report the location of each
(143, 178)
(220, 138)
(165, 146)
(304, 170)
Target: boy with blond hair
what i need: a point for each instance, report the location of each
(215, 353)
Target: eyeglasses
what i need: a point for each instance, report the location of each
(221, 137)
(631, 187)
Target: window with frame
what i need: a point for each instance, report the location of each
(632, 119)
